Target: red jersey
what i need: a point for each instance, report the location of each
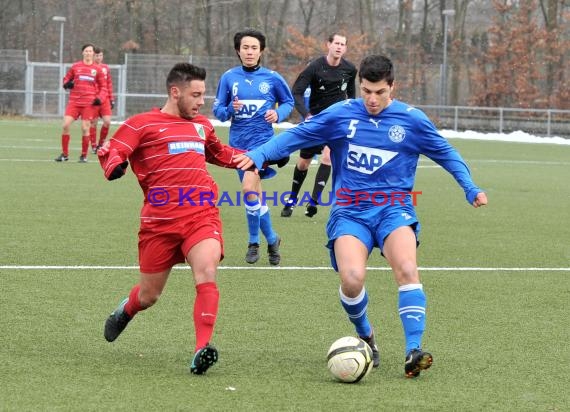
(108, 80)
(168, 155)
(89, 83)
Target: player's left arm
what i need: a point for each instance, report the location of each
(438, 149)
(284, 97)
(480, 200)
(220, 154)
(351, 88)
(110, 88)
(101, 92)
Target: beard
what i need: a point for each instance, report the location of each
(182, 109)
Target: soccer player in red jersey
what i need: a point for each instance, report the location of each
(87, 91)
(105, 110)
(168, 150)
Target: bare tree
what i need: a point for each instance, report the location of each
(554, 59)
(282, 21)
(307, 8)
(410, 32)
(367, 17)
(458, 50)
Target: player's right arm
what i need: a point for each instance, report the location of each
(223, 108)
(299, 87)
(326, 128)
(113, 155)
(68, 79)
(313, 132)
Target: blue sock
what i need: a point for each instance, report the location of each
(253, 222)
(412, 308)
(266, 226)
(356, 309)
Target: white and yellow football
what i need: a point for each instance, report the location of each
(349, 359)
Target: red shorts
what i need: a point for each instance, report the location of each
(164, 243)
(105, 109)
(86, 112)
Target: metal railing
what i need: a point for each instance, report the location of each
(540, 122)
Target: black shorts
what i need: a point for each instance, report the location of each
(309, 152)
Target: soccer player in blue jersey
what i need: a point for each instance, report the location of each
(253, 98)
(375, 144)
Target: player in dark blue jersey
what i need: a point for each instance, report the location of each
(375, 144)
(253, 98)
(331, 79)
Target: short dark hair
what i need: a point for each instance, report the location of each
(97, 50)
(330, 39)
(87, 45)
(375, 68)
(249, 33)
(183, 73)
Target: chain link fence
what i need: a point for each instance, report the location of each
(34, 89)
(12, 80)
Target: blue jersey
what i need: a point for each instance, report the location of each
(371, 155)
(259, 91)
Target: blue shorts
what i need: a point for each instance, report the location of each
(371, 230)
(266, 173)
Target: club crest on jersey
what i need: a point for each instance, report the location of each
(397, 133)
(182, 147)
(93, 72)
(366, 159)
(264, 87)
(200, 130)
(249, 108)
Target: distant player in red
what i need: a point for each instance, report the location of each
(168, 150)
(105, 110)
(87, 91)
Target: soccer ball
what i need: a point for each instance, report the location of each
(349, 359)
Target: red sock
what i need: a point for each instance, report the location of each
(65, 144)
(84, 145)
(103, 134)
(92, 136)
(133, 305)
(205, 312)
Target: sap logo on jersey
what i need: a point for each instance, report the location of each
(249, 108)
(366, 159)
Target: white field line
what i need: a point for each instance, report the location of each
(39, 148)
(29, 160)
(371, 268)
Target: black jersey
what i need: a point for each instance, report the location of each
(329, 84)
